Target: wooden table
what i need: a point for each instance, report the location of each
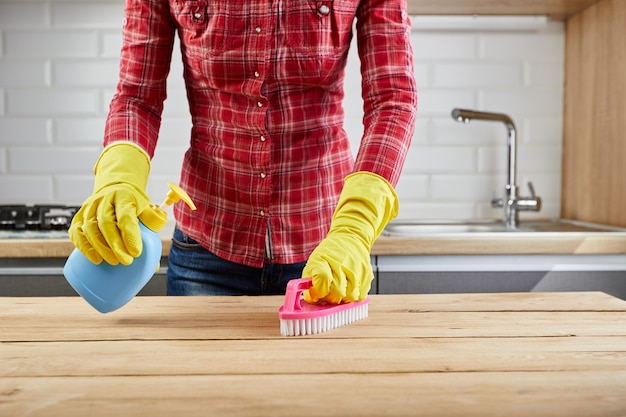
(527, 354)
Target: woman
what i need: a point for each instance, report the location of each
(279, 195)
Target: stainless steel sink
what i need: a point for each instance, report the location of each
(409, 228)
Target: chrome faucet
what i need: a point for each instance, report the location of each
(512, 203)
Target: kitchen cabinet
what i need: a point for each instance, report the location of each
(43, 277)
(594, 128)
(34, 267)
(433, 274)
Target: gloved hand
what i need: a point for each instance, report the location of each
(340, 265)
(107, 226)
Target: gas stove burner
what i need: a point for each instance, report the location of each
(36, 217)
(58, 218)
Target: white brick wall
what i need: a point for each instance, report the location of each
(454, 170)
(58, 70)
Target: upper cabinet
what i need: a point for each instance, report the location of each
(555, 9)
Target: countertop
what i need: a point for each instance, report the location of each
(513, 354)
(465, 244)
(501, 244)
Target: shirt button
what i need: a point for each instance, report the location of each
(262, 138)
(256, 74)
(197, 15)
(259, 104)
(324, 10)
(257, 29)
(263, 175)
(262, 213)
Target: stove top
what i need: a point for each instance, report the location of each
(29, 221)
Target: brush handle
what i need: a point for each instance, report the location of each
(293, 295)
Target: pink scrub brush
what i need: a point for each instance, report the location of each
(299, 318)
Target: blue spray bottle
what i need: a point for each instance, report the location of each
(108, 287)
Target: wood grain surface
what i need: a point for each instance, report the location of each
(468, 244)
(556, 9)
(514, 354)
(594, 138)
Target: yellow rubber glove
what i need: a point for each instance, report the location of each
(340, 265)
(106, 227)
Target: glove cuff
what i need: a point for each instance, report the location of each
(367, 204)
(122, 163)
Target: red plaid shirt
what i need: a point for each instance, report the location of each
(268, 153)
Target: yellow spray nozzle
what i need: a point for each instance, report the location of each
(174, 195)
(155, 217)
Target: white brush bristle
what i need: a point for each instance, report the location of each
(322, 324)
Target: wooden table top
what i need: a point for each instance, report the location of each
(523, 354)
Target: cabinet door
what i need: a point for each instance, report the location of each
(43, 277)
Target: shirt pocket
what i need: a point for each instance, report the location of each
(320, 27)
(203, 26)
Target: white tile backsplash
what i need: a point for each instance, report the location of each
(479, 187)
(78, 131)
(3, 160)
(51, 160)
(440, 102)
(447, 132)
(77, 14)
(546, 45)
(26, 131)
(175, 131)
(2, 100)
(59, 67)
(52, 102)
(473, 75)
(435, 209)
(517, 102)
(22, 43)
(24, 73)
(85, 73)
(73, 189)
(26, 188)
(415, 185)
(542, 130)
(440, 159)
(544, 74)
(443, 46)
(110, 43)
(23, 15)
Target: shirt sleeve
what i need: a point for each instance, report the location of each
(147, 42)
(388, 87)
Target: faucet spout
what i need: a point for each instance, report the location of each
(465, 116)
(512, 203)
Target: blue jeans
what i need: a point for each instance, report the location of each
(192, 270)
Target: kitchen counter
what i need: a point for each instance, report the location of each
(464, 244)
(514, 354)
(500, 244)
(59, 247)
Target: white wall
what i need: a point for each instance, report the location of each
(58, 69)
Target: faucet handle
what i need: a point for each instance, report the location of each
(497, 202)
(532, 203)
(531, 187)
